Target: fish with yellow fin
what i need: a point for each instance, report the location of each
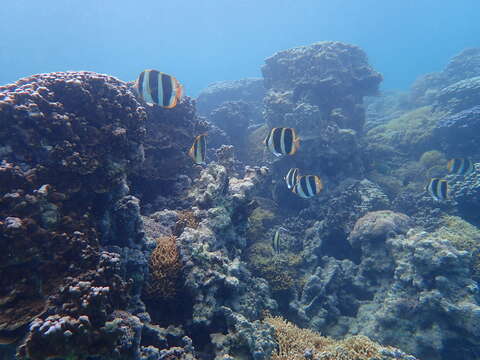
(282, 141)
(308, 186)
(155, 87)
(198, 151)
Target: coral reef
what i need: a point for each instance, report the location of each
(319, 90)
(117, 246)
(249, 90)
(385, 106)
(459, 96)
(234, 117)
(169, 135)
(463, 66)
(456, 133)
(299, 344)
(164, 268)
(410, 288)
(411, 133)
(68, 142)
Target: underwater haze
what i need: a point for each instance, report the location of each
(284, 180)
(203, 41)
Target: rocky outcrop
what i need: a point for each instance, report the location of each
(457, 133)
(249, 90)
(319, 90)
(463, 66)
(225, 300)
(459, 96)
(410, 288)
(69, 141)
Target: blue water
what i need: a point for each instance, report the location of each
(202, 41)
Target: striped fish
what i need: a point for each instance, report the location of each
(291, 177)
(158, 88)
(276, 242)
(308, 186)
(282, 141)
(198, 151)
(438, 189)
(461, 166)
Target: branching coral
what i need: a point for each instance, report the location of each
(186, 218)
(295, 344)
(281, 271)
(164, 268)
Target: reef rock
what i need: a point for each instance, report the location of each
(169, 136)
(463, 66)
(234, 118)
(460, 96)
(457, 133)
(69, 141)
(319, 90)
(409, 288)
(222, 299)
(249, 90)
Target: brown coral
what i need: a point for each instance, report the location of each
(164, 268)
(293, 342)
(186, 218)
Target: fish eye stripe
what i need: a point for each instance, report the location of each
(276, 140)
(288, 141)
(312, 185)
(167, 89)
(153, 85)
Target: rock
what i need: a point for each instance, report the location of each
(460, 96)
(319, 90)
(457, 133)
(378, 226)
(72, 139)
(463, 66)
(249, 90)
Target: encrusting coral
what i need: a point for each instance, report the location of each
(165, 266)
(295, 343)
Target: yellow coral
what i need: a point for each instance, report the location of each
(293, 342)
(164, 269)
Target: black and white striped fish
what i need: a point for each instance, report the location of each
(282, 141)
(276, 242)
(463, 166)
(198, 151)
(158, 88)
(292, 177)
(308, 186)
(438, 189)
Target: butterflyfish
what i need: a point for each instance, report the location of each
(282, 141)
(198, 151)
(463, 166)
(291, 177)
(155, 87)
(308, 186)
(438, 189)
(276, 242)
